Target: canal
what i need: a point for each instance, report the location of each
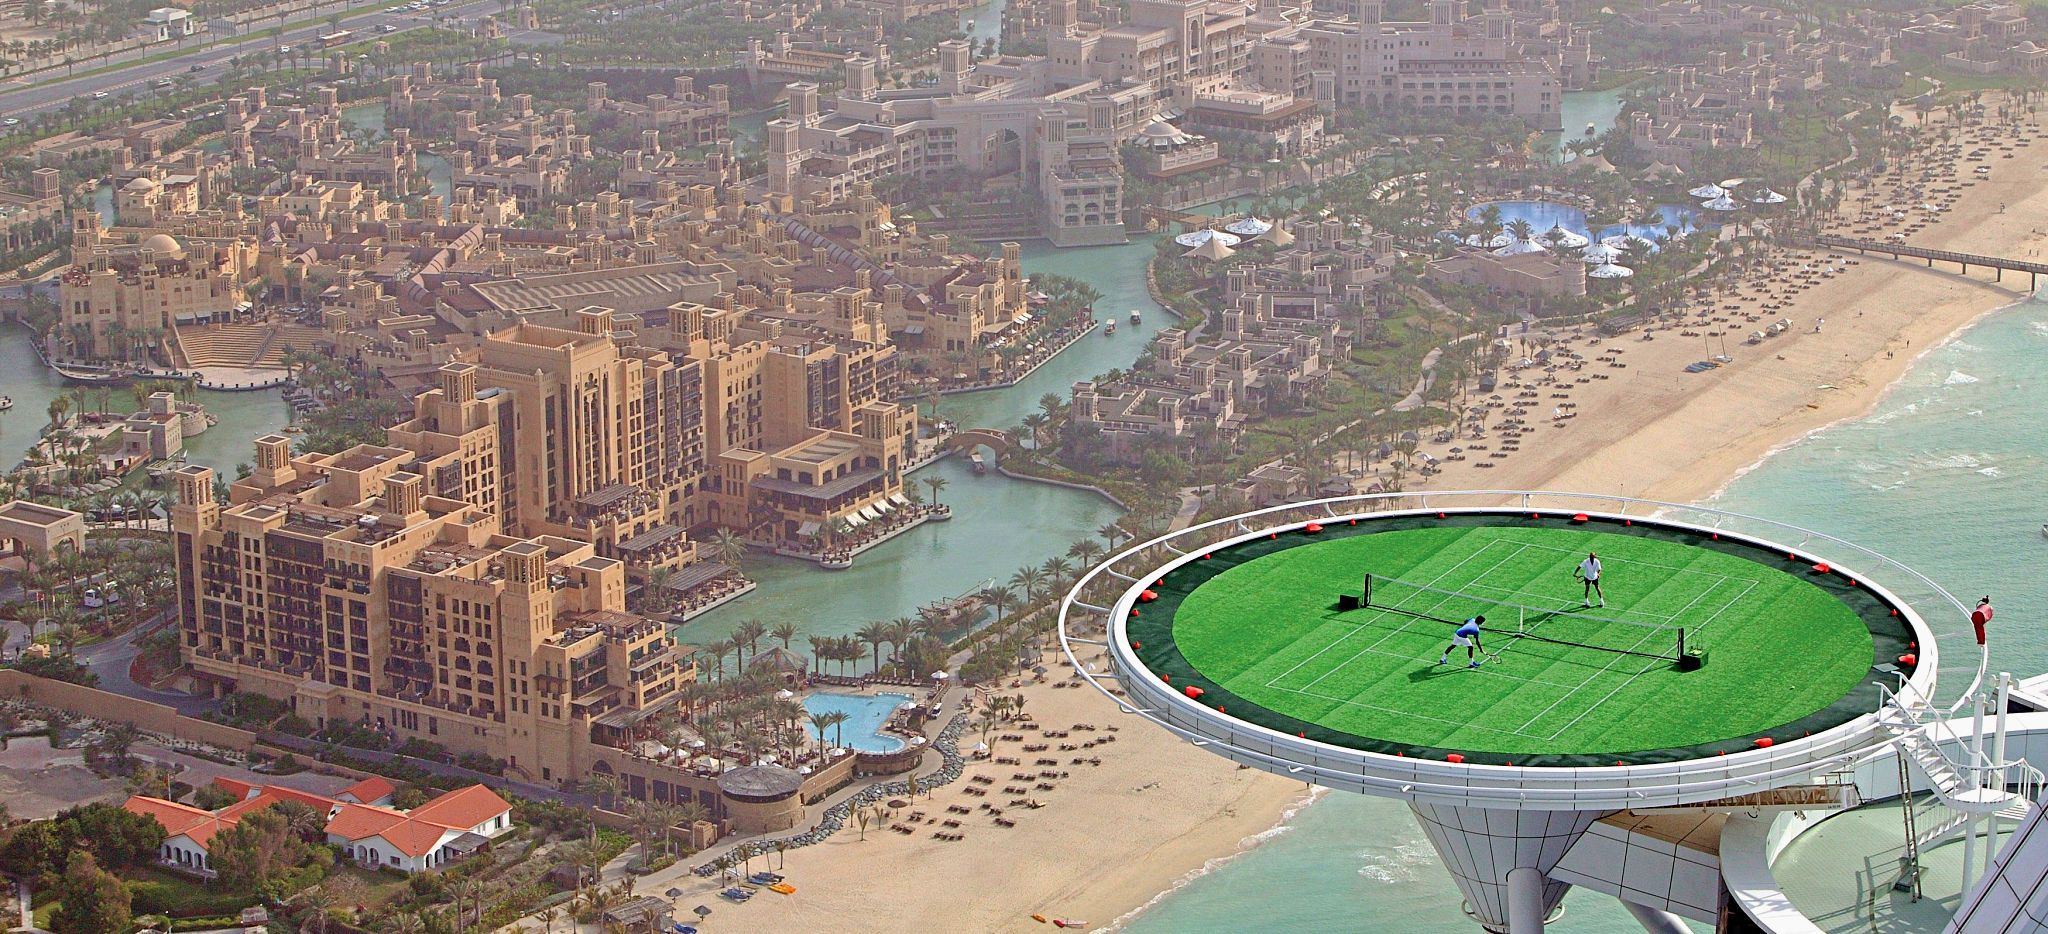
(243, 416)
(999, 524)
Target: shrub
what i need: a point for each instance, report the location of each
(423, 749)
(478, 762)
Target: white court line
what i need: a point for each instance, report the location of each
(1335, 642)
(1645, 564)
(1631, 680)
(1440, 602)
(1618, 658)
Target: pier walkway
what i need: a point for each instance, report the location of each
(1998, 265)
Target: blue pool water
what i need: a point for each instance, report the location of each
(868, 712)
(1544, 215)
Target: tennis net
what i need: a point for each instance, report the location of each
(1562, 624)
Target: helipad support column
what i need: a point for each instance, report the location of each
(1501, 859)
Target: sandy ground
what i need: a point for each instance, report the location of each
(1647, 428)
(1110, 838)
(36, 781)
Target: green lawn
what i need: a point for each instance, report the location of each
(1265, 634)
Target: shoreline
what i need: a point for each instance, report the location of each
(1653, 450)
(1876, 399)
(1116, 839)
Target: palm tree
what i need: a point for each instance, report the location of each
(837, 721)
(1002, 598)
(1085, 551)
(874, 634)
(1027, 579)
(1056, 570)
(749, 632)
(1110, 532)
(819, 722)
(604, 786)
(302, 820)
(784, 631)
(727, 547)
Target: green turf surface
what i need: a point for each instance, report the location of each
(1265, 633)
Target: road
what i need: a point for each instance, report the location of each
(28, 96)
(110, 660)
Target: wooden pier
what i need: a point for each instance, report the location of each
(1998, 265)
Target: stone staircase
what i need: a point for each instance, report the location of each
(242, 345)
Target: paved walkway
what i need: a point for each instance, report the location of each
(111, 659)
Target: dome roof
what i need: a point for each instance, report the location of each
(1160, 134)
(164, 244)
(760, 781)
(140, 183)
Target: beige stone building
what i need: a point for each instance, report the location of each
(117, 292)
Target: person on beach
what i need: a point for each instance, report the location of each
(1981, 616)
(1466, 637)
(1589, 573)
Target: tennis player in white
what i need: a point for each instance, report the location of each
(1589, 572)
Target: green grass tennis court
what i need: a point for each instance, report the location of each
(1259, 629)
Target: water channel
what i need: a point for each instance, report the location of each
(243, 416)
(1000, 523)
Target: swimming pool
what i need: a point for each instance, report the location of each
(866, 713)
(1542, 215)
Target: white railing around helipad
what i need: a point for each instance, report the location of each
(1273, 753)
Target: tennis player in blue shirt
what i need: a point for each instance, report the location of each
(1467, 637)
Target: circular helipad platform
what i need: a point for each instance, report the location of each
(1721, 663)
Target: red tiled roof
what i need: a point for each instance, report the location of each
(463, 808)
(413, 832)
(369, 789)
(194, 823)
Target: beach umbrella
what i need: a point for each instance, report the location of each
(702, 911)
(1708, 191)
(1520, 247)
(1600, 253)
(1723, 203)
(980, 747)
(940, 676)
(1610, 271)
(1248, 227)
(1768, 197)
(784, 694)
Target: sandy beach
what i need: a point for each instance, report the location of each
(1108, 837)
(1112, 837)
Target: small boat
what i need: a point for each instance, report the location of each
(1592, 130)
(980, 466)
(6, 402)
(783, 888)
(1135, 317)
(1109, 329)
(1068, 924)
(2044, 530)
(1038, 918)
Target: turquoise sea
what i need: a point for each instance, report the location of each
(1946, 475)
